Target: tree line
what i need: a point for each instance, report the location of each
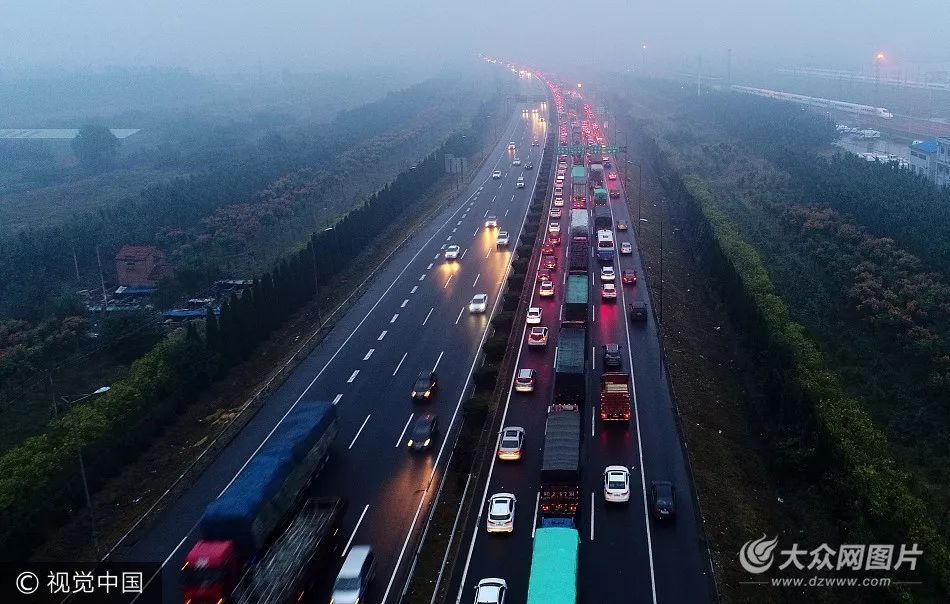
(38, 478)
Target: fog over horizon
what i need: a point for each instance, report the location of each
(319, 36)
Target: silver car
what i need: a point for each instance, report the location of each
(512, 439)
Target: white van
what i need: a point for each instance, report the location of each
(355, 575)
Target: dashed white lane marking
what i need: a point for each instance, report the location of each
(393, 320)
(400, 363)
(336, 399)
(458, 318)
(381, 336)
(369, 354)
(429, 314)
(358, 432)
(447, 281)
(429, 268)
(404, 302)
(403, 433)
(422, 277)
(414, 289)
(434, 367)
(463, 253)
(353, 376)
(476, 279)
(355, 528)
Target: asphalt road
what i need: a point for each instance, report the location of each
(625, 556)
(413, 317)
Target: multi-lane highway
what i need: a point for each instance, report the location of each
(625, 555)
(413, 317)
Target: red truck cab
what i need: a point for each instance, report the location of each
(210, 572)
(615, 396)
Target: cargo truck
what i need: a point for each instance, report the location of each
(614, 396)
(596, 178)
(575, 298)
(600, 196)
(579, 254)
(560, 463)
(570, 363)
(553, 577)
(578, 182)
(602, 218)
(265, 540)
(580, 224)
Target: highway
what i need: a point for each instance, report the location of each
(625, 556)
(412, 318)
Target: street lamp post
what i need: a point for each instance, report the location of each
(70, 401)
(639, 188)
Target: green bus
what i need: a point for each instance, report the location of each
(553, 577)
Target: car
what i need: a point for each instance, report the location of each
(554, 226)
(519, 184)
(547, 289)
(555, 212)
(496, 174)
(491, 222)
(524, 380)
(626, 247)
(558, 201)
(423, 432)
(559, 191)
(549, 262)
(535, 143)
(529, 166)
(479, 304)
(559, 180)
(612, 355)
(562, 165)
(638, 311)
(491, 591)
(554, 238)
(534, 316)
(538, 336)
(544, 275)
(663, 500)
(629, 277)
(516, 161)
(501, 513)
(562, 173)
(547, 248)
(612, 176)
(616, 484)
(424, 386)
(502, 239)
(608, 291)
(452, 252)
(607, 273)
(511, 146)
(621, 225)
(512, 439)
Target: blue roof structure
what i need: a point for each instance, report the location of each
(929, 146)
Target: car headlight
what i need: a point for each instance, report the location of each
(426, 394)
(409, 444)
(426, 443)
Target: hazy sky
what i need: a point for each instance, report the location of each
(321, 34)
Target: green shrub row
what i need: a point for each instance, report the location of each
(846, 435)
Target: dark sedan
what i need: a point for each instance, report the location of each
(663, 499)
(424, 387)
(423, 432)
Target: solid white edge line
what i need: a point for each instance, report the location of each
(358, 432)
(537, 504)
(591, 515)
(353, 534)
(404, 428)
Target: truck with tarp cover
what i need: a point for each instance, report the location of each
(576, 298)
(560, 463)
(570, 363)
(264, 539)
(553, 578)
(600, 196)
(602, 218)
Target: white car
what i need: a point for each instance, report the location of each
(547, 289)
(516, 161)
(496, 174)
(626, 247)
(502, 239)
(558, 201)
(616, 484)
(479, 304)
(608, 291)
(519, 184)
(452, 252)
(501, 513)
(607, 273)
(555, 213)
(554, 227)
(491, 222)
(534, 316)
(512, 439)
(511, 146)
(491, 591)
